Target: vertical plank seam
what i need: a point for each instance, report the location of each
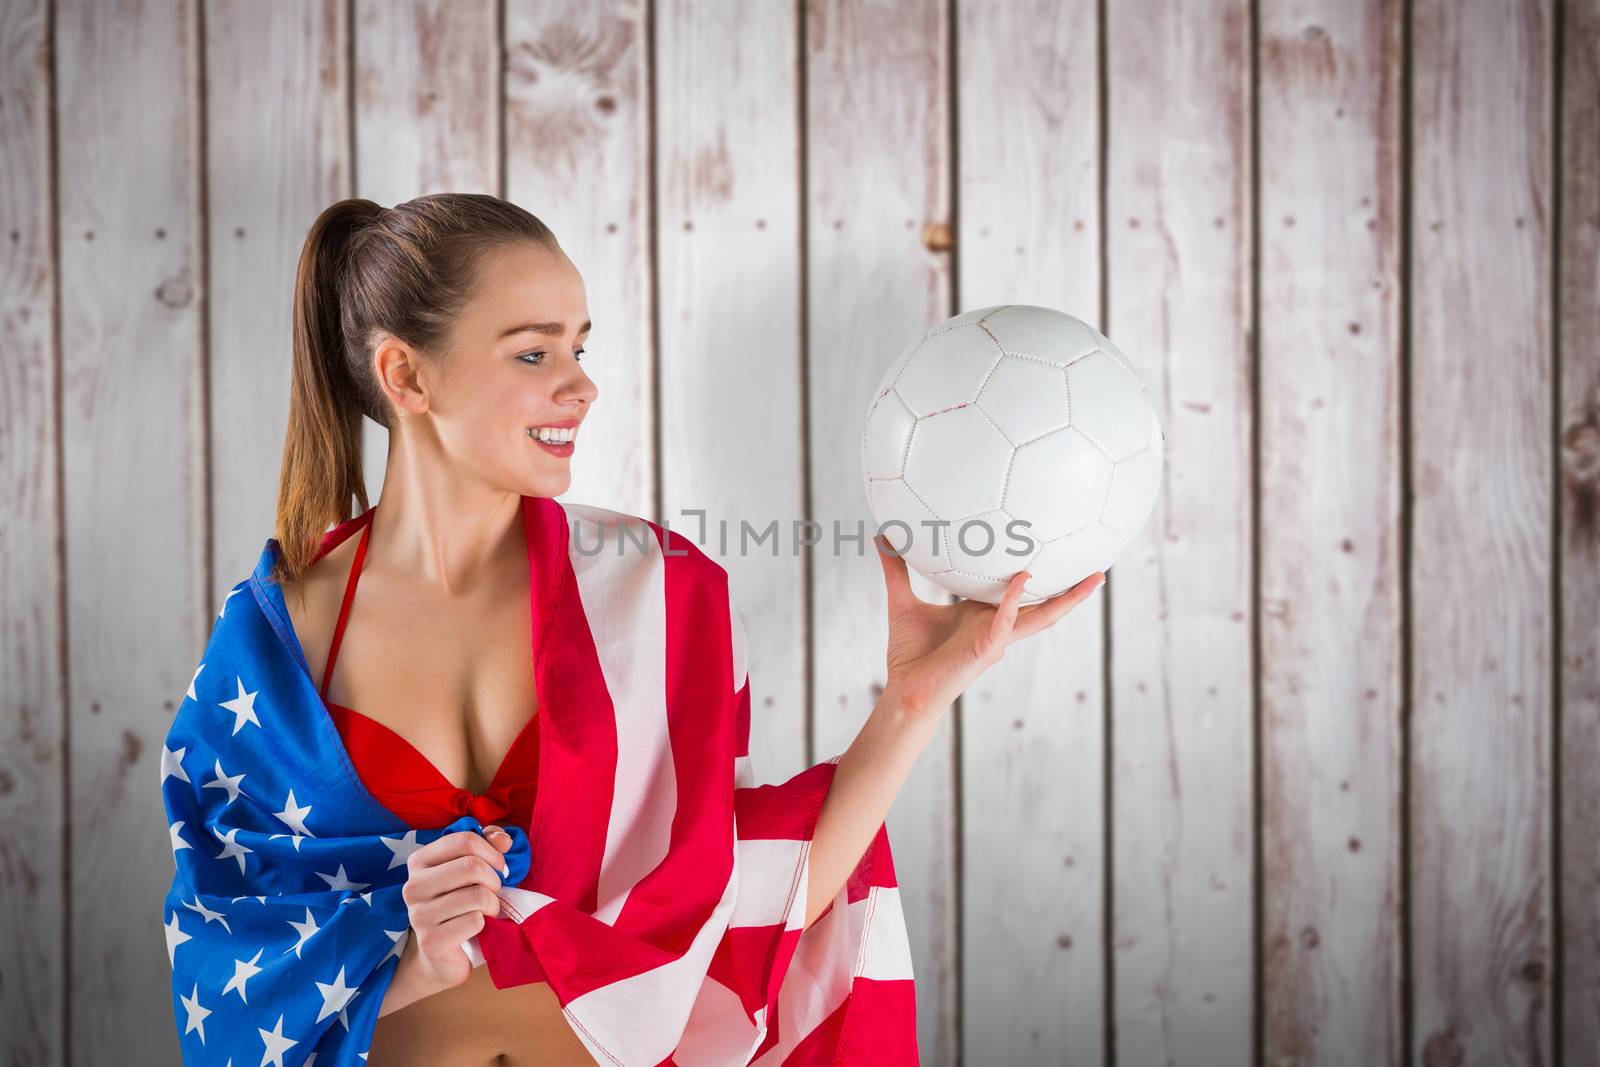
(1557, 924)
(351, 81)
(203, 369)
(1407, 962)
(63, 641)
(502, 175)
(652, 258)
(1108, 1049)
(1253, 352)
(802, 231)
(952, 120)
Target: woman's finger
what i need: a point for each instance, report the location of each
(460, 901)
(1005, 615)
(895, 576)
(1036, 617)
(452, 846)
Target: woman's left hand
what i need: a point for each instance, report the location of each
(937, 650)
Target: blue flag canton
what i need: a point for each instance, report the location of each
(285, 920)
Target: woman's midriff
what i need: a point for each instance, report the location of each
(475, 1024)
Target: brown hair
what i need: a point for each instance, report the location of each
(364, 270)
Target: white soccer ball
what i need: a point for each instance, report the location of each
(1027, 434)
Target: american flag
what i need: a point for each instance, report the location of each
(658, 889)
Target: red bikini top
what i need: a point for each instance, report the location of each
(404, 780)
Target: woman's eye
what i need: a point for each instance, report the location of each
(533, 359)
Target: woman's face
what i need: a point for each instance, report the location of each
(514, 367)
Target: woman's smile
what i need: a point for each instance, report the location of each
(556, 438)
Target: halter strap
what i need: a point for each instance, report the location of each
(344, 608)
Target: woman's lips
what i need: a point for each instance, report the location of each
(555, 448)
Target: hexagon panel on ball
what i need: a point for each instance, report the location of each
(947, 370)
(1058, 483)
(1066, 561)
(1042, 332)
(1108, 405)
(958, 462)
(889, 429)
(1026, 397)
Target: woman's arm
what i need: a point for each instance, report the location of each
(935, 652)
(868, 777)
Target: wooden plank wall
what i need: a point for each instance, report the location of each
(1313, 782)
(1331, 432)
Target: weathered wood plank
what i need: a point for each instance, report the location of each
(427, 118)
(878, 275)
(1481, 427)
(1032, 729)
(728, 277)
(1329, 500)
(33, 825)
(277, 153)
(1579, 591)
(1178, 217)
(577, 156)
(133, 451)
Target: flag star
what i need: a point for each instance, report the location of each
(176, 937)
(207, 913)
(276, 1044)
(339, 881)
(335, 995)
(190, 691)
(233, 848)
(226, 782)
(399, 939)
(295, 838)
(197, 1014)
(243, 971)
(243, 706)
(177, 838)
(172, 764)
(231, 593)
(305, 930)
(402, 847)
(294, 817)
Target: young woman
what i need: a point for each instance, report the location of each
(458, 323)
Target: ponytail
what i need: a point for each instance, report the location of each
(409, 271)
(322, 448)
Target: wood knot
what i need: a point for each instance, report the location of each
(175, 293)
(936, 237)
(1443, 1049)
(1580, 453)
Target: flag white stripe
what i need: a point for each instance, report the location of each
(766, 871)
(886, 953)
(624, 602)
(816, 983)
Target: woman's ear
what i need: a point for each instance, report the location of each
(402, 375)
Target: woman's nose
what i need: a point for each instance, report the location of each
(580, 387)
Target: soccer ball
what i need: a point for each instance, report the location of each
(1008, 438)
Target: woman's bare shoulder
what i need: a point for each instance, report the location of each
(312, 599)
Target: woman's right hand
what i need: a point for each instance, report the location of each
(452, 886)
